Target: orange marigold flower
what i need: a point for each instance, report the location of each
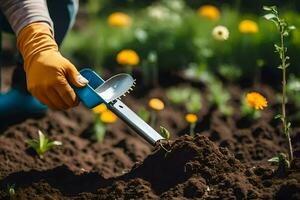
(248, 26)
(119, 19)
(128, 57)
(256, 100)
(209, 11)
(191, 118)
(156, 104)
(99, 109)
(108, 117)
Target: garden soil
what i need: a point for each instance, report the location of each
(227, 159)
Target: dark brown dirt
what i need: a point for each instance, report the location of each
(226, 160)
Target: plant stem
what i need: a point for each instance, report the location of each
(284, 118)
(192, 129)
(153, 118)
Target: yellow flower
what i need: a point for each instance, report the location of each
(191, 118)
(99, 109)
(156, 104)
(128, 57)
(119, 19)
(256, 100)
(108, 117)
(248, 26)
(220, 33)
(209, 11)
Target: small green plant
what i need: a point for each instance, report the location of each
(230, 72)
(282, 161)
(150, 69)
(100, 129)
(220, 97)
(43, 144)
(10, 189)
(144, 114)
(284, 30)
(102, 119)
(187, 96)
(164, 133)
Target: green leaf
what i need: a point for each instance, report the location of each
(164, 133)
(42, 139)
(267, 8)
(33, 144)
(274, 159)
(269, 16)
(292, 27)
(277, 116)
(100, 130)
(43, 144)
(144, 114)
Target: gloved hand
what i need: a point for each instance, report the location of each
(47, 71)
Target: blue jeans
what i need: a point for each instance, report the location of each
(63, 14)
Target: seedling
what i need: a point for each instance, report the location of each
(150, 69)
(102, 120)
(219, 97)
(230, 72)
(10, 189)
(43, 144)
(282, 161)
(284, 30)
(144, 114)
(187, 96)
(164, 133)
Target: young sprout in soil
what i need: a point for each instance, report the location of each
(156, 105)
(191, 119)
(164, 133)
(43, 144)
(252, 104)
(150, 69)
(284, 30)
(128, 58)
(188, 96)
(103, 117)
(282, 161)
(144, 114)
(219, 97)
(10, 189)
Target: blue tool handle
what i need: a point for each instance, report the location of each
(87, 94)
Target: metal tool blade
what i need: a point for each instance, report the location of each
(115, 87)
(135, 122)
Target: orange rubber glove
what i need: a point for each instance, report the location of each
(47, 71)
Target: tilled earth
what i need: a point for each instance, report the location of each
(227, 159)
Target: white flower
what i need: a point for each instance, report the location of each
(158, 12)
(220, 33)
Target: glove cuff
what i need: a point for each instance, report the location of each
(34, 39)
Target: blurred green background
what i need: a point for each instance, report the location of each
(171, 35)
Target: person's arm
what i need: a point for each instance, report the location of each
(48, 73)
(20, 13)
